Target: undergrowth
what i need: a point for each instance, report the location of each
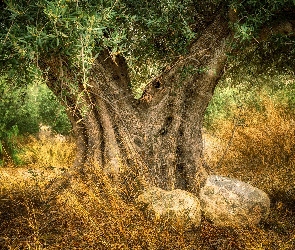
(41, 207)
(48, 150)
(92, 214)
(259, 148)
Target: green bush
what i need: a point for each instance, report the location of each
(51, 112)
(249, 94)
(22, 110)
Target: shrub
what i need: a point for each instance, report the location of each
(22, 110)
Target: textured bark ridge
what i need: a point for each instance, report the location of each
(161, 132)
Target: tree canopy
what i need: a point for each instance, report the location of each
(149, 34)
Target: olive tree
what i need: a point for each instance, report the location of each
(96, 56)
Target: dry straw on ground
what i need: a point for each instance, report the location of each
(47, 150)
(40, 208)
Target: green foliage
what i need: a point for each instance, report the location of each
(22, 110)
(8, 145)
(14, 109)
(15, 119)
(264, 48)
(51, 112)
(249, 94)
(78, 30)
(149, 34)
(256, 14)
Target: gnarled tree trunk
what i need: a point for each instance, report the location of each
(161, 132)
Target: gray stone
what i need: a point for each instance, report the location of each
(230, 202)
(176, 208)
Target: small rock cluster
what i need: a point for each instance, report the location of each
(224, 201)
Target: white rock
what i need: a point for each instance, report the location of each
(176, 208)
(230, 202)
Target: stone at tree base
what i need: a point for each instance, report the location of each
(230, 202)
(176, 208)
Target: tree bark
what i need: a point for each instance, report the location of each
(161, 133)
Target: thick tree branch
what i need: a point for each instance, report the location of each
(199, 54)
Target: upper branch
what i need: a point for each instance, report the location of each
(202, 52)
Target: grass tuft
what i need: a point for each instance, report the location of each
(48, 150)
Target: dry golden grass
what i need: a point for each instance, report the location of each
(41, 208)
(48, 150)
(259, 148)
(82, 214)
(91, 214)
